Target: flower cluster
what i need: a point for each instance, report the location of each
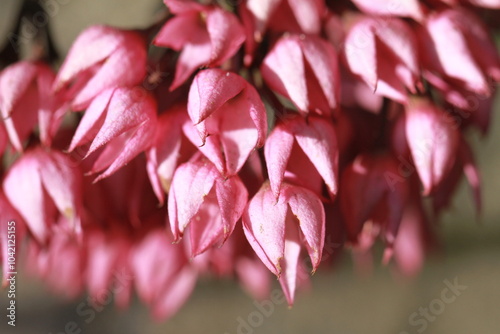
(241, 138)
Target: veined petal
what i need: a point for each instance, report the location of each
(93, 118)
(191, 183)
(232, 197)
(318, 141)
(283, 70)
(210, 90)
(361, 52)
(322, 59)
(264, 227)
(308, 210)
(226, 35)
(127, 109)
(277, 151)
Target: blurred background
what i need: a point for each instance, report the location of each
(339, 301)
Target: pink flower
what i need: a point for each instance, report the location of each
(101, 57)
(305, 70)
(384, 54)
(203, 200)
(123, 120)
(433, 141)
(373, 190)
(44, 187)
(229, 119)
(26, 100)
(461, 33)
(164, 280)
(277, 228)
(207, 36)
(314, 138)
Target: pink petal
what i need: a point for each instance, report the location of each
(125, 67)
(238, 135)
(210, 90)
(308, 210)
(62, 181)
(23, 187)
(277, 151)
(318, 141)
(175, 295)
(448, 38)
(250, 99)
(102, 256)
(211, 148)
(165, 151)
(264, 227)
(93, 45)
(206, 229)
(14, 82)
(361, 52)
(262, 10)
(118, 58)
(283, 70)
(51, 109)
(191, 183)
(308, 14)
(125, 111)
(23, 118)
(409, 8)
(92, 120)
(192, 57)
(124, 148)
(383, 50)
(432, 140)
(301, 172)
(232, 197)
(226, 35)
(480, 42)
(151, 275)
(322, 58)
(290, 260)
(182, 30)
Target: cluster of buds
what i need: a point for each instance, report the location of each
(243, 139)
